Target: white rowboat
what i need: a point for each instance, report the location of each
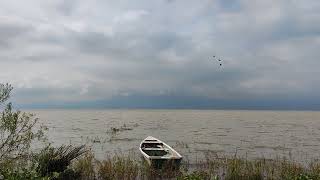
(156, 153)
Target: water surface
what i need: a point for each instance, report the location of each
(191, 132)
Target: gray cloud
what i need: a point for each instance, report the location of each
(67, 51)
(11, 31)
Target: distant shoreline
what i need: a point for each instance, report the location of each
(163, 109)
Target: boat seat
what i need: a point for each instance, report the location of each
(152, 142)
(154, 149)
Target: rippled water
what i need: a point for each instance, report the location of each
(191, 132)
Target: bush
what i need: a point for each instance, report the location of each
(56, 160)
(17, 131)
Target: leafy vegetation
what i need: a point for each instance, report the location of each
(56, 160)
(17, 130)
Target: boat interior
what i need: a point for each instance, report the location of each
(154, 148)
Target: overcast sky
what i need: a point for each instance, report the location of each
(79, 51)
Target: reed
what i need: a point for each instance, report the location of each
(236, 168)
(212, 168)
(118, 167)
(85, 166)
(129, 167)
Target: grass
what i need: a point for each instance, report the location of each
(118, 168)
(212, 168)
(67, 162)
(124, 127)
(84, 166)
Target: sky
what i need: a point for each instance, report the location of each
(159, 53)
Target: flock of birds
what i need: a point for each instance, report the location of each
(218, 59)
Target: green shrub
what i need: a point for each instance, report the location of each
(17, 130)
(51, 159)
(20, 173)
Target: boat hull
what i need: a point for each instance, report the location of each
(164, 163)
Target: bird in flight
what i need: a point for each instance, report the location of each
(219, 60)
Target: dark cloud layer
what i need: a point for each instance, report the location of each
(98, 52)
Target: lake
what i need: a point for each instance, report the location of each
(193, 133)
